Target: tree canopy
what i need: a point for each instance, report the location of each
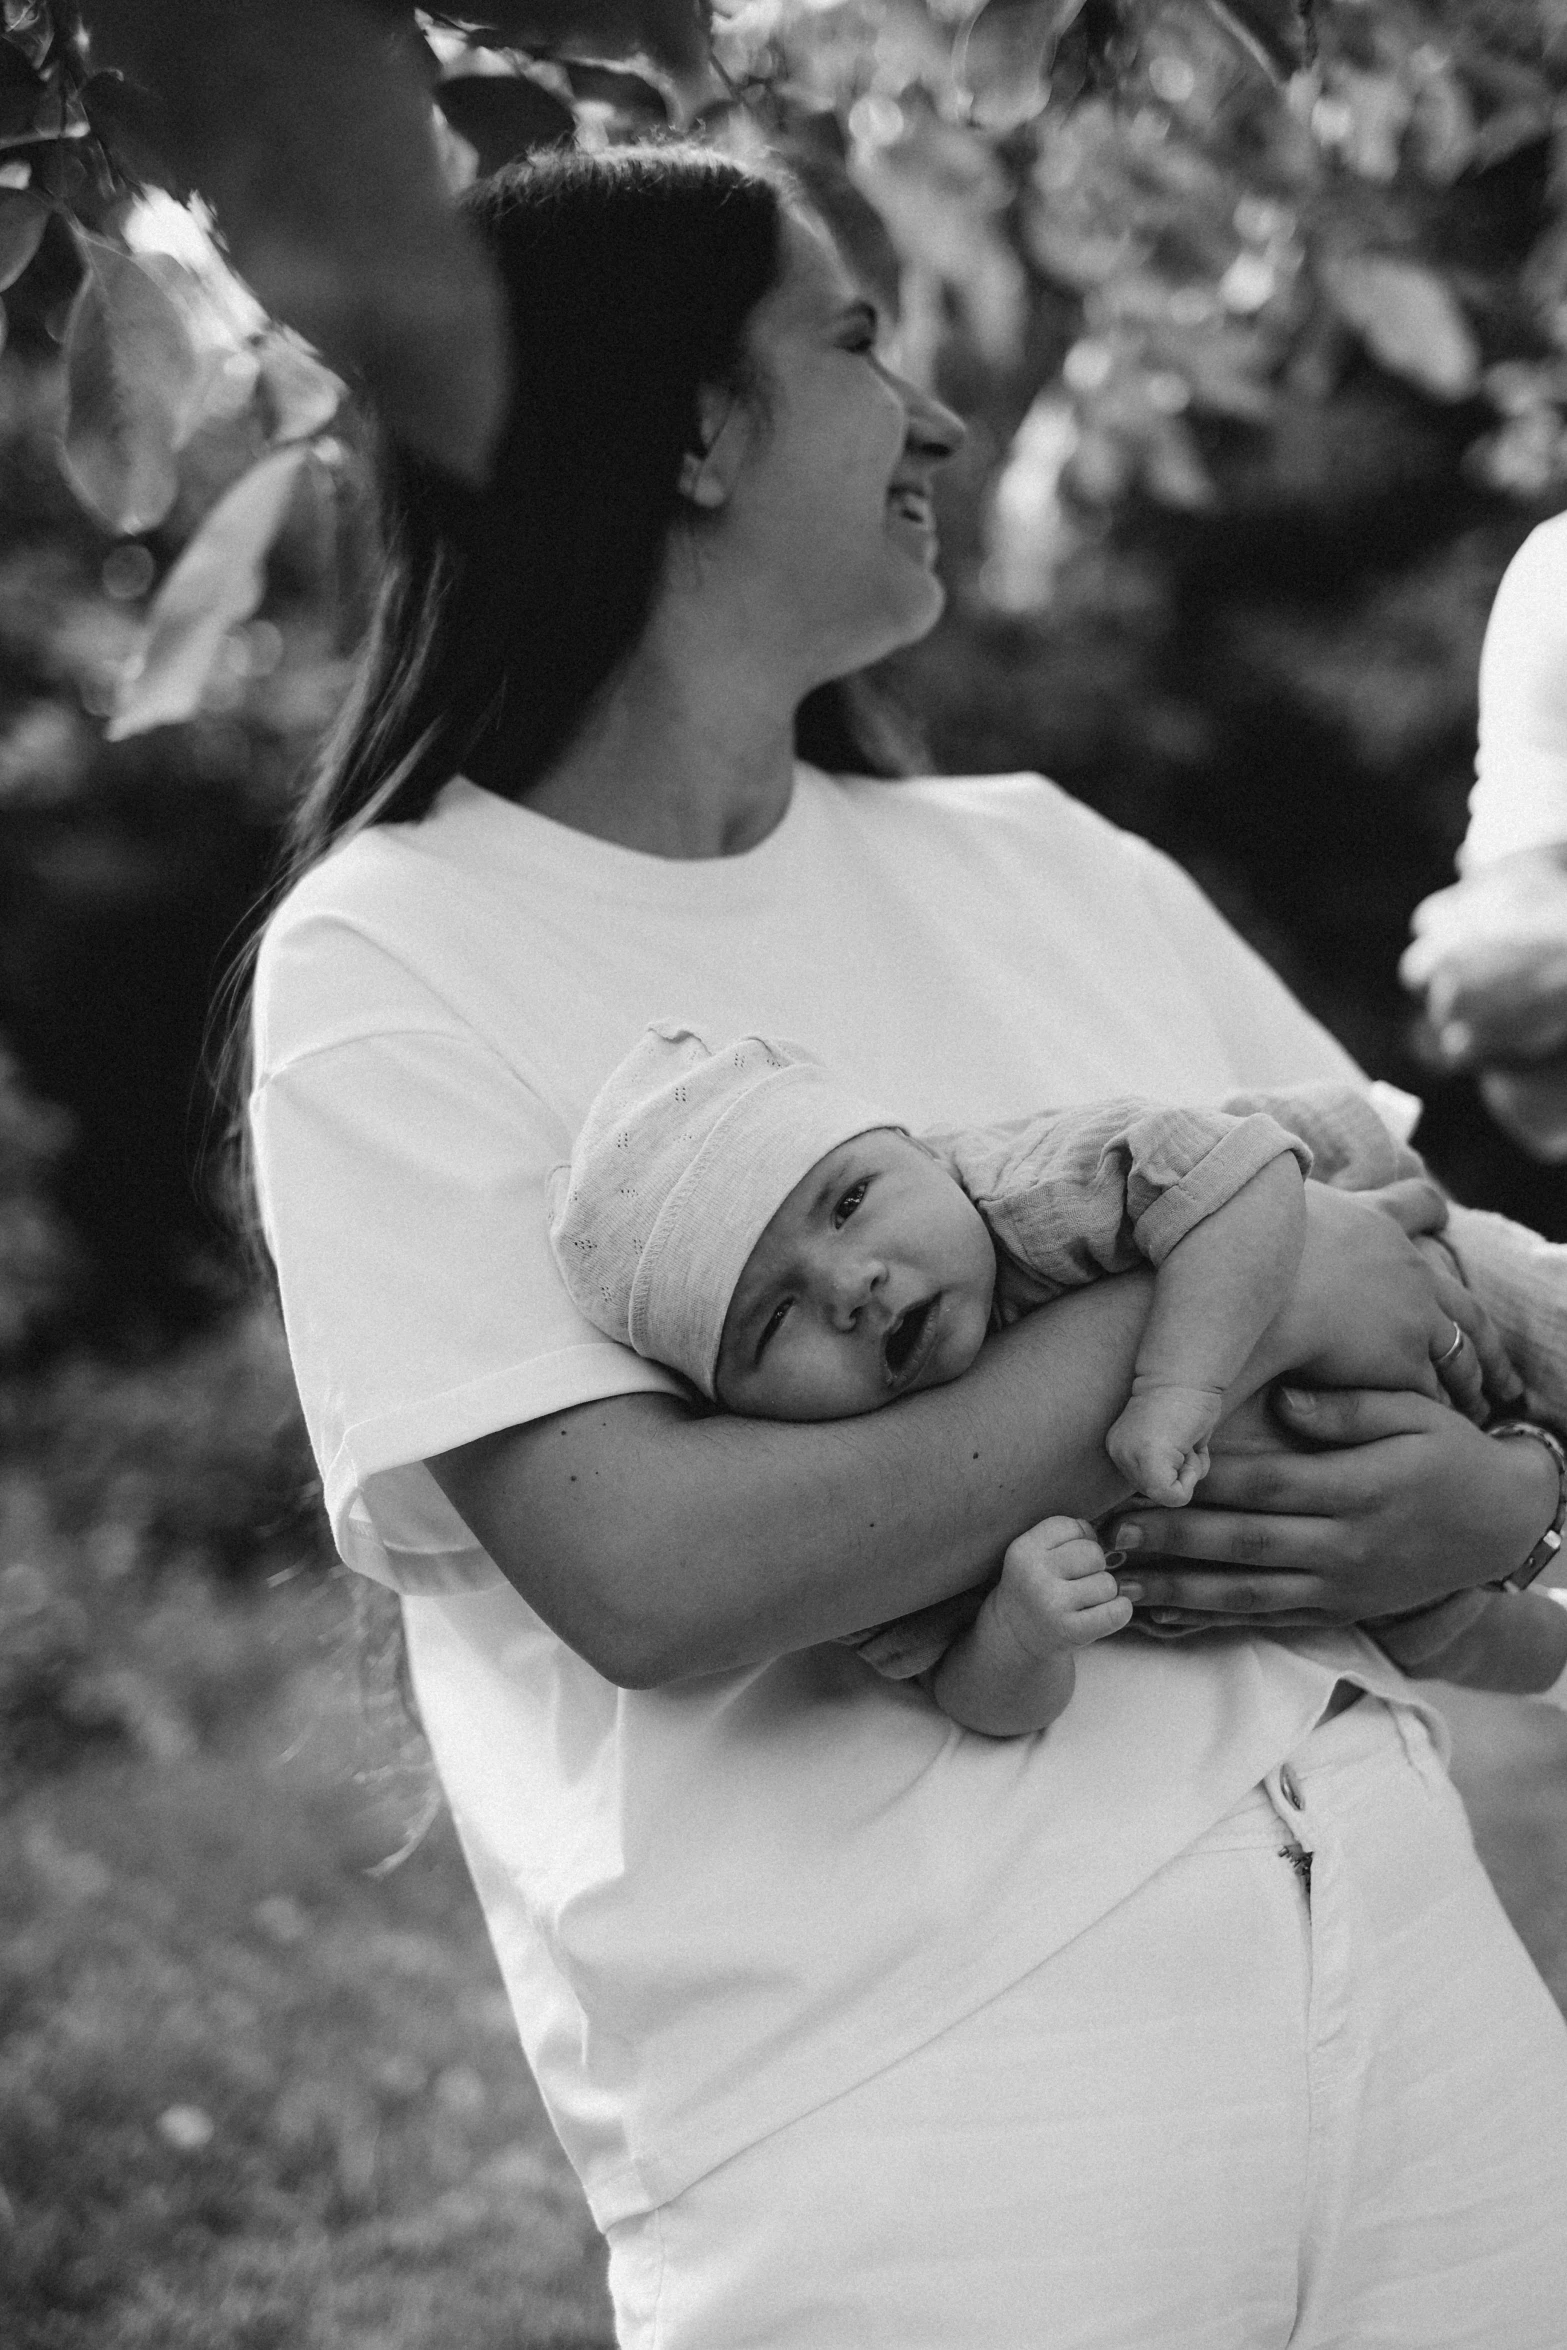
(1155, 237)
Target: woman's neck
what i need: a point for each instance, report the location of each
(684, 757)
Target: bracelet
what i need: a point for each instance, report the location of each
(1550, 1541)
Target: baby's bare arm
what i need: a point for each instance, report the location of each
(1220, 1288)
(1013, 1670)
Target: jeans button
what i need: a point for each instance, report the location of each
(1289, 1788)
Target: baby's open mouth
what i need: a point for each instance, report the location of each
(905, 1340)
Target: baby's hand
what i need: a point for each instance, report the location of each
(1161, 1441)
(1055, 1592)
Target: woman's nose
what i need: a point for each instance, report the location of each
(933, 431)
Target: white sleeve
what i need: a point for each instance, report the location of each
(1272, 1039)
(1521, 1280)
(1557, 1693)
(401, 1177)
(1520, 796)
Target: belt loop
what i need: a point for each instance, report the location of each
(1283, 1790)
(1424, 1736)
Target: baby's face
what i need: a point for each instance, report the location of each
(874, 1278)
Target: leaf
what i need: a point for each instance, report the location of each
(629, 95)
(1442, 131)
(858, 228)
(29, 26)
(1276, 33)
(1377, 109)
(133, 374)
(1028, 529)
(1408, 321)
(23, 219)
(504, 115)
(1172, 468)
(1003, 58)
(306, 125)
(302, 395)
(1510, 128)
(217, 582)
(134, 128)
(673, 32)
(24, 96)
(935, 195)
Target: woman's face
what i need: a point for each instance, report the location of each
(830, 508)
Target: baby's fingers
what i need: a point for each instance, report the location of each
(1092, 1590)
(1085, 1625)
(1064, 1546)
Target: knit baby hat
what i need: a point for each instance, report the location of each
(687, 1150)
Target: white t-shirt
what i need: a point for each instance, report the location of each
(1520, 796)
(718, 1904)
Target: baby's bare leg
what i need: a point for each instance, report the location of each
(1217, 1292)
(1013, 1670)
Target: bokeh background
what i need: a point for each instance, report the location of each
(1259, 320)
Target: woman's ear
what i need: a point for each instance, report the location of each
(708, 473)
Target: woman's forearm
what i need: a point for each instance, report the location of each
(661, 1543)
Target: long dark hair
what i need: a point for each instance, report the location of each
(630, 277)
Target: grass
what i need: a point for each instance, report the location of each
(250, 2094)
(255, 2097)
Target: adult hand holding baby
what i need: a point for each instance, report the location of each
(1334, 1506)
(1396, 1502)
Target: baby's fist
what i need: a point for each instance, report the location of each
(1056, 1591)
(1160, 1442)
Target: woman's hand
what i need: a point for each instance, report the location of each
(1482, 1372)
(1398, 1502)
(1377, 1303)
(1490, 956)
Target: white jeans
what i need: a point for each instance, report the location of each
(1250, 2108)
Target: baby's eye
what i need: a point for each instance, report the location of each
(772, 1326)
(847, 1205)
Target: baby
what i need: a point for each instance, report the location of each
(735, 1213)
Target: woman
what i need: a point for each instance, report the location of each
(857, 2029)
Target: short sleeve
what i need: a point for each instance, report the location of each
(1520, 796)
(1272, 1040)
(401, 1177)
(1097, 1189)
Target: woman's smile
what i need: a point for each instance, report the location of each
(912, 509)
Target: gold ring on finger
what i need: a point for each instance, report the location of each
(1448, 1352)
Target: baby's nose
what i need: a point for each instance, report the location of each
(851, 1287)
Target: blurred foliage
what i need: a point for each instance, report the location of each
(1257, 315)
(133, 1498)
(254, 2092)
(34, 1247)
(1164, 232)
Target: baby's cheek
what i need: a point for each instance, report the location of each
(969, 1327)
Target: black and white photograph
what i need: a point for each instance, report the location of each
(783, 1175)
